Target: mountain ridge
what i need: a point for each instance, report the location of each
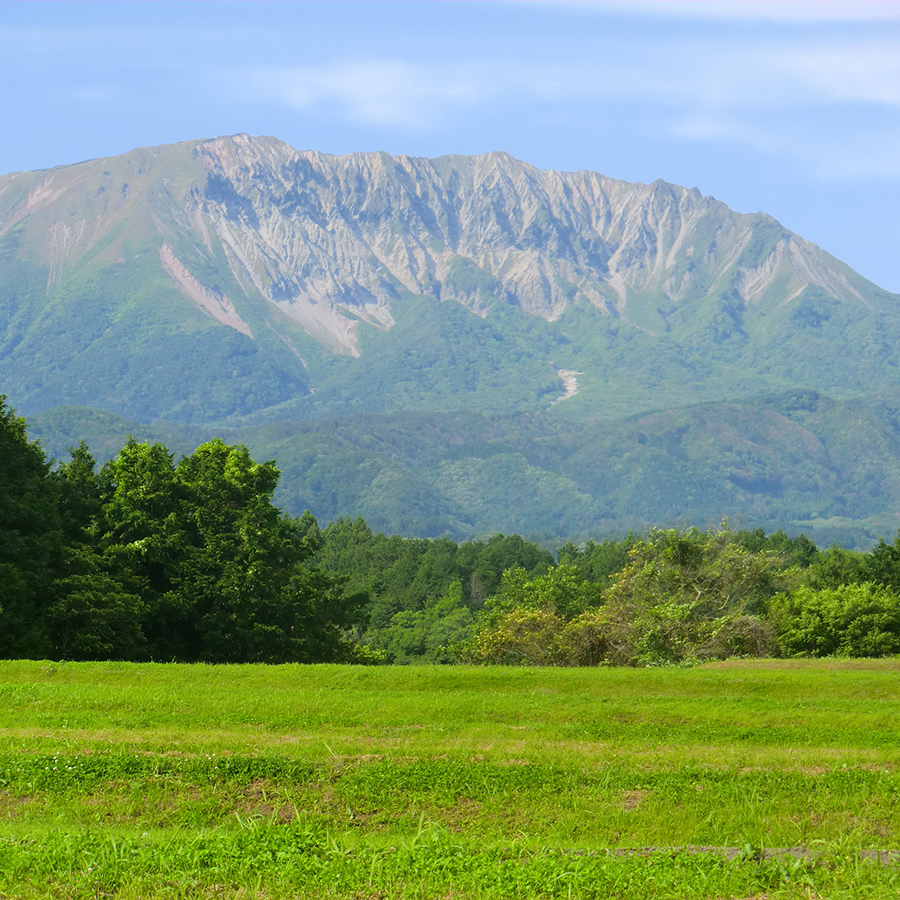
(332, 242)
(237, 285)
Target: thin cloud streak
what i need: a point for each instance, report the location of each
(412, 96)
(771, 97)
(862, 153)
(739, 73)
(854, 71)
(394, 91)
(805, 12)
(382, 92)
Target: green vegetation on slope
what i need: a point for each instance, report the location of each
(795, 460)
(674, 299)
(725, 380)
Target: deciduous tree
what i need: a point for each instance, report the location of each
(30, 540)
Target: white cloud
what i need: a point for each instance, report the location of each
(728, 75)
(785, 11)
(772, 74)
(380, 92)
(797, 95)
(848, 72)
(848, 155)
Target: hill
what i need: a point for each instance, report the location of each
(798, 460)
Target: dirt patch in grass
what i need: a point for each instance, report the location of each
(14, 805)
(263, 800)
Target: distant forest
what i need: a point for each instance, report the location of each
(144, 558)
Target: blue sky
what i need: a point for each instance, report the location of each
(792, 108)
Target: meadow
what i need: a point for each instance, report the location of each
(730, 780)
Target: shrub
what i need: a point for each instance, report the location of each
(853, 620)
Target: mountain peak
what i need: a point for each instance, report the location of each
(298, 256)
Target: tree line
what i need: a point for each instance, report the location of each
(144, 558)
(667, 597)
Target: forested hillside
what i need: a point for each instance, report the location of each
(796, 460)
(146, 558)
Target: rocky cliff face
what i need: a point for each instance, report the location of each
(335, 240)
(246, 243)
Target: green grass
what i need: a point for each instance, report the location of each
(196, 781)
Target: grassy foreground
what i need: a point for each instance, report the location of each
(121, 780)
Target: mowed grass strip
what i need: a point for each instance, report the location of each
(833, 706)
(538, 770)
(538, 804)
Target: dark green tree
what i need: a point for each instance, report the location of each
(597, 562)
(143, 539)
(30, 540)
(93, 614)
(411, 583)
(883, 564)
(836, 566)
(852, 620)
(429, 634)
(246, 569)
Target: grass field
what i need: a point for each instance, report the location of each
(121, 780)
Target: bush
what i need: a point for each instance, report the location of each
(853, 620)
(539, 637)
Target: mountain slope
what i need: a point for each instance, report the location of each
(797, 460)
(241, 279)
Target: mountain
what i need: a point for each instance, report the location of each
(453, 346)
(239, 277)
